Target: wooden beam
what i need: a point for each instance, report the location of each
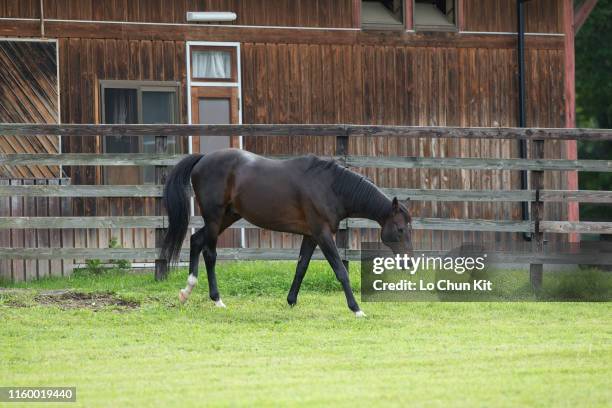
(439, 195)
(275, 35)
(409, 14)
(479, 163)
(82, 191)
(197, 222)
(573, 212)
(300, 130)
(584, 227)
(582, 14)
(357, 14)
(247, 254)
(90, 159)
(537, 214)
(146, 253)
(459, 15)
(146, 159)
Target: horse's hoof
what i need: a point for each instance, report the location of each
(183, 296)
(359, 313)
(219, 303)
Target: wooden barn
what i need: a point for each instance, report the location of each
(392, 62)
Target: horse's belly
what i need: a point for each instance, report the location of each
(270, 205)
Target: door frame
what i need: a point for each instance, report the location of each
(190, 83)
(213, 84)
(229, 93)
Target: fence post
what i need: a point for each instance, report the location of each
(161, 266)
(537, 213)
(342, 235)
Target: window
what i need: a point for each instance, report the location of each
(382, 15)
(128, 102)
(434, 15)
(210, 63)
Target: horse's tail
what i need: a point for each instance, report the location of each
(176, 202)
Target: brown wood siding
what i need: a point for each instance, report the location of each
(84, 63)
(363, 84)
(28, 94)
(19, 269)
(20, 8)
(541, 16)
(297, 13)
(409, 86)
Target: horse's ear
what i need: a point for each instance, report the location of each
(395, 205)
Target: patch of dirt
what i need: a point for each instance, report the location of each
(66, 299)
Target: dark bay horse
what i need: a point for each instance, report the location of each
(305, 195)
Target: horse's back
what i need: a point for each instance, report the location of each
(270, 193)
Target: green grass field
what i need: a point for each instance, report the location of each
(260, 352)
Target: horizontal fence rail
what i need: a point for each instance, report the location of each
(583, 196)
(306, 130)
(244, 254)
(463, 163)
(443, 224)
(418, 223)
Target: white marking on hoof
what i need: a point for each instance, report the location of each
(359, 313)
(184, 293)
(219, 303)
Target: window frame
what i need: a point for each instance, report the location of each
(436, 28)
(401, 26)
(233, 63)
(139, 86)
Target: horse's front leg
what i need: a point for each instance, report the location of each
(306, 250)
(326, 242)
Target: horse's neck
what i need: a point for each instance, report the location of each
(365, 200)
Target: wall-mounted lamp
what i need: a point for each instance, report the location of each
(205, 16)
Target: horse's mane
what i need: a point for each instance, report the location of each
(359, 193)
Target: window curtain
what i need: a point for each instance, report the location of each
(120, 107)
(211, 64)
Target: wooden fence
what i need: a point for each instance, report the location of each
(536, 165)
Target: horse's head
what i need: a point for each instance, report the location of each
(397, 229)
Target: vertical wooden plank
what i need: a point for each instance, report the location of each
(29, 234)
(342, 235)
(570, 105)
(409, 14)
(42, 235)
(67, 235)
(161, 265)
(5, 235)
(17, 235)
(537, 213)
(55, 235)
(465, 98)
(459, 15)
(356, 22)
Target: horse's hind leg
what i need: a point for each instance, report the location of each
(209, 252)
(196, 245)
(205, 241)
(306, 250)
